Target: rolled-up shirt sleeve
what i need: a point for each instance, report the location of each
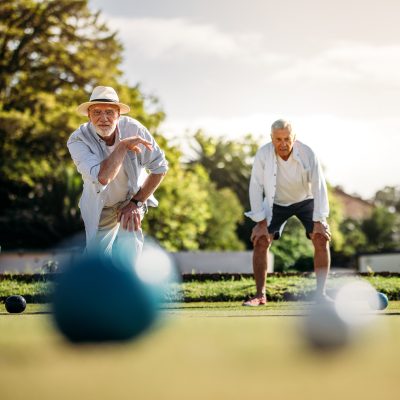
(153, 160)
(256, 189)
(319, 191)
(87, 163)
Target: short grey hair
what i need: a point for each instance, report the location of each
(281, 124)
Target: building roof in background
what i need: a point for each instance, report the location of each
(353, 206)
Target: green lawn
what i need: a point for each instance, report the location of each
(278, 288)
(199, 351)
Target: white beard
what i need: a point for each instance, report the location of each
(104, 132)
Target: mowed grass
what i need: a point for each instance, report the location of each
(278, 288)
(199, 351)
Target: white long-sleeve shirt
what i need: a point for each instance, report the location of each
(88, 150)
(263, 182)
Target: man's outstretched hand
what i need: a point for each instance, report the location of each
(132, 144)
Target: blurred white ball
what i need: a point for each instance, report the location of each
(353, 303)
(324, 330)
(155, 266)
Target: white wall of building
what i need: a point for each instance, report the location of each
(389, 262)
(31, 261)
(211, 262)
(186, 262)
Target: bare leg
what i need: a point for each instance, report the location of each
(260, 264)
(322, 262)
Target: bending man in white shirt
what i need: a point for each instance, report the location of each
(112, 153)
(286, 181)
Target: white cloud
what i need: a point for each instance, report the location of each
(231, 127)
(157, 38)
(347, 63)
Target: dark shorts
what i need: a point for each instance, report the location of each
(280, 214)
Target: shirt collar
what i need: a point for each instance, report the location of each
(295, 151)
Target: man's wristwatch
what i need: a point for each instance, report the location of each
(137, 202)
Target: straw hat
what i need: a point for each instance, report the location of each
(102, 95)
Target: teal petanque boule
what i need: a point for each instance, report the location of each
(15, 304)
(97, 301)
(383, 301)
(379, 302)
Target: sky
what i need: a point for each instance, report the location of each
(233, 67)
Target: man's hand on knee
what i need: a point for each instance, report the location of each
(261, 231)
(129, 216)
(321, 228)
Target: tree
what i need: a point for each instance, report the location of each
(229, 164)
(388, 197)
(226, 213)
(193, 213)
(183, 213)
(382, 230)
(355, 238)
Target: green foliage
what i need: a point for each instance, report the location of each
(192, 214)
(53, 53)
(355, 239)
(382, 230)
(183, 213)
(335, 219)
(293, 247)
(34, 292)
(378, 233)
(229, 164)
(226, 213)
(389, 286)
(389, 197)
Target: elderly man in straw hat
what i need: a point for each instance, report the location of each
(287, 180)
(112, 153)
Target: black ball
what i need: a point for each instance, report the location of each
(15, 304)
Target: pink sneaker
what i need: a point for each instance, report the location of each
(255, 302)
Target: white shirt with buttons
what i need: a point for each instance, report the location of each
(88, 150)
(290, 188)
(118, 187)
(310, 182)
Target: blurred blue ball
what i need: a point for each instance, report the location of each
(383, 301)
(95, 300)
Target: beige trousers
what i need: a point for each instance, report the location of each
(112, 239)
